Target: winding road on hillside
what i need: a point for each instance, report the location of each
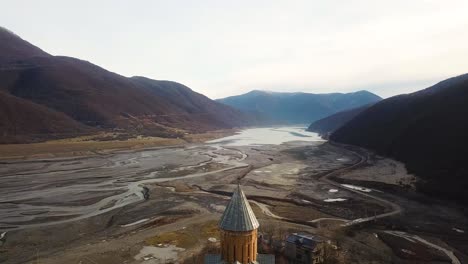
(327, 178)
(395, 208)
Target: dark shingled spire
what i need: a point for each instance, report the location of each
(238, 215)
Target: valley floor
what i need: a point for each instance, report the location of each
(154, 205)
(99, 144)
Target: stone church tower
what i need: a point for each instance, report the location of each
(239, 235)
(238, 231)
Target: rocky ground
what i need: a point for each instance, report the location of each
(162, 204)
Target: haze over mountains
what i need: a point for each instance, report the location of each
(42, 95)
(427, 130)
(297, 108)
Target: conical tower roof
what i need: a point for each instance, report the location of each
(238, 215)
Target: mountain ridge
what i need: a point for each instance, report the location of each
(297, 108)
(13, 47)
(426, 130)
(71, 90)
(329, 124)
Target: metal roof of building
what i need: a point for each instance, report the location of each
(305, 240)
(238, 215)
(265, 259)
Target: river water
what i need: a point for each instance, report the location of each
(267, 136)
(36, 194)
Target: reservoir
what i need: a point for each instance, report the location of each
(268, 136)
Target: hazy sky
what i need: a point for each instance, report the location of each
(221, 48)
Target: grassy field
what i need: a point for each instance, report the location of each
(98, 144)
(188, 237)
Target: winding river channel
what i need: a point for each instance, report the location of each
(46, 192)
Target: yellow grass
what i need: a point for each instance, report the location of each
(202, 137)
(187, 238)
(91, 145)
(61, 148)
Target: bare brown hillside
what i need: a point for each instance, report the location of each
(76, 95)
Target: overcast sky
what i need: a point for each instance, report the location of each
(222, 48)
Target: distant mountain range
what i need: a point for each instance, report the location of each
(427, 130)
(297, 108)
(43, 95)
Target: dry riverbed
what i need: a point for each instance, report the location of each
(158, 205)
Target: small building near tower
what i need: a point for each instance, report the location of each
(303, 248)
(239, 235)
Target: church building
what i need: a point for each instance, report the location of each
(238, 227)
